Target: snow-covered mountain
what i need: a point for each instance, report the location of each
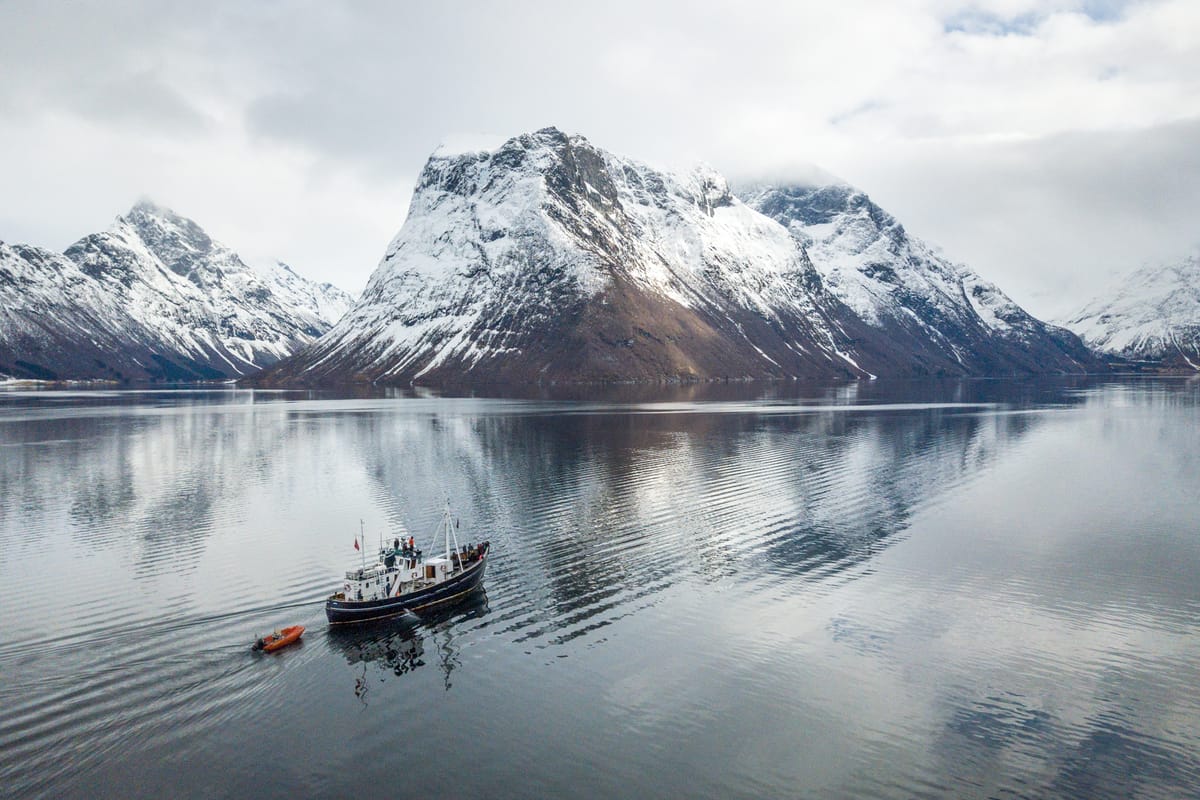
(316, 306)
(549, 259)
(56, 322)
(1153, 315)
(154, 297)
(945, 315)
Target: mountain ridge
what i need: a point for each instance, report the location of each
(154, 297)
(509, 256)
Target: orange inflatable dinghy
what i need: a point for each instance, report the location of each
(280, 638)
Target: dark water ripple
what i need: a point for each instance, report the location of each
(907, 590)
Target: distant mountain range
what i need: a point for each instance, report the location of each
(1152, 317)
(551, 260)
(152, 298)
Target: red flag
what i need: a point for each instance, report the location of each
(355, 542)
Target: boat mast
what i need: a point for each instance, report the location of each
(450, 532)
(362, 551)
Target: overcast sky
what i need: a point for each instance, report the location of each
(1050, 145)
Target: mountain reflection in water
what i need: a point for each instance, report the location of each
(973, 588)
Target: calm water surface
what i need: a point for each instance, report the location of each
(980, 589)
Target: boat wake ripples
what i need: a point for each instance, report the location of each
(791, 596)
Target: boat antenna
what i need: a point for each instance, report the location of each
(362, 535)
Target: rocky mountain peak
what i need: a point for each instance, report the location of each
(865, 254)
(568, 166)
(821, 205)
(178, 242)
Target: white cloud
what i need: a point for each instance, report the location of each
(1019, 134)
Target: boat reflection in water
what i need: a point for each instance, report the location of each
(396, 647)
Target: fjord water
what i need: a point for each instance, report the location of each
(973, 589)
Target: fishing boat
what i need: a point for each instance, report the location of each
(404, 580)
(280, 638)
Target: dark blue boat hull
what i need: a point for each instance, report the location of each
(341, 612)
